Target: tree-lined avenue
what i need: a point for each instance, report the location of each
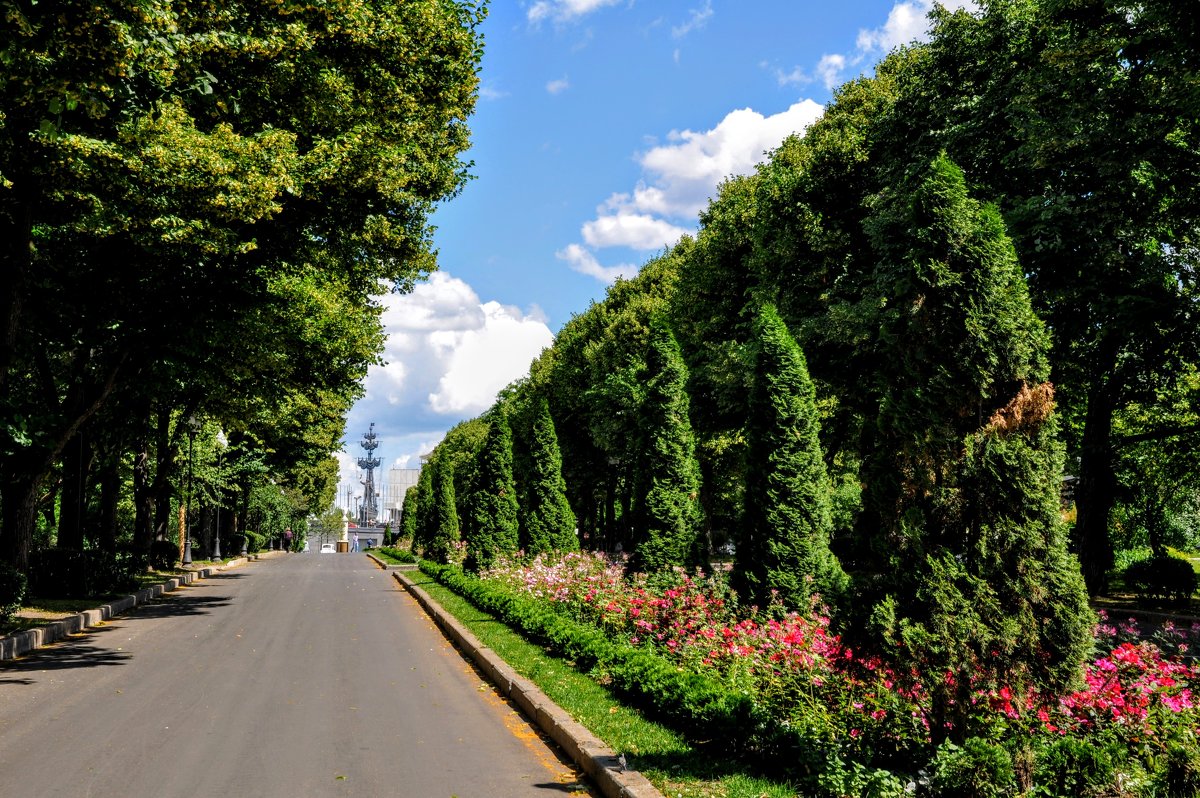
(307, 675)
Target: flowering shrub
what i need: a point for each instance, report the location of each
(1142, 687)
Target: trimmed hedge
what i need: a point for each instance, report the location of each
(1162, 580)
(699, 704)
(399, 555)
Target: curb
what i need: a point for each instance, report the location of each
(587, 751)
(389, 566)
(19, 643)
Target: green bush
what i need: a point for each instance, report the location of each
(66, 573)
(1178, 775)
(254, 541)
(12, 591)
(164, 555)
(399, 555)
(977, 769)
(1161, 580)
(1072, 767)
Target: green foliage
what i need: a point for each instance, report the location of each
(67, 573)
(547, 523)
(408, 515)
(1178, 775)
(1070, 766)
(13, 584)
(700, 705)
(398, 555)
(1162, 580)
(441, 547)
(671, 513)
(494, 530)
(839, 778)
(976, 769)
(784, 547)
(164, 555)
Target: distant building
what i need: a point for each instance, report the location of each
(399, 480)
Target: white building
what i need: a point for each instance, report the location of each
(399, 480)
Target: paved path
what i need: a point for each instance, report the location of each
(306, 676)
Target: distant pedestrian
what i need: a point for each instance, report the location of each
(355, 539)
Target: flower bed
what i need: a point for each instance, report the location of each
(810, 693)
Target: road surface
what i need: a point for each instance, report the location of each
(304, 676)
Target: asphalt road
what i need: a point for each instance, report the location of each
(305, 676)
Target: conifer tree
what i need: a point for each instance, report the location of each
(408, 516)
(549, 523)
(424, 519)
(445, 533)
(670, 510)
(494, 527)
(961, 493)
(785, 538)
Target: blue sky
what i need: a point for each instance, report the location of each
(602, 128)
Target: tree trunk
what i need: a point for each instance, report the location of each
(20, 499)
(143, 523)
(76, 464)
(1095, 493)
(110, 494)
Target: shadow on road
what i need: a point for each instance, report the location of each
(176, 604)
(77, 651)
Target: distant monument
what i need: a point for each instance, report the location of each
(368, 510)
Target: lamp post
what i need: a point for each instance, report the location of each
(222, 442)
(193, 424)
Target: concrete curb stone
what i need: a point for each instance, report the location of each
(20, 643)
(585, 749)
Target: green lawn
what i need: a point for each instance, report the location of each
(674, 765)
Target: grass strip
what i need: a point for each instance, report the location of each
(678, 768)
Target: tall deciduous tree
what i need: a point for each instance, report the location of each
(547, 523)
(784, 546)
(167, 172)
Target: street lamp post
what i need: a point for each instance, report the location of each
(221, 443)
(192, 423)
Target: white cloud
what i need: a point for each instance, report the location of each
(584, 262)
(558, 86)
(481, 362)
(447, 355)
(565, 10)
(698, 19)
(830, 69)
(679, 178)
(797, 76)
(633, 230)
(907, 22)
(684, 173)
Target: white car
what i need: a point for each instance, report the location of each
(327, 548)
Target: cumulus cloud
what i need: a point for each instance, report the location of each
(678, 178)
(633, 230)
(558, 86)
(906, 23)
(564, 10)
(584, 262)
(447, 355)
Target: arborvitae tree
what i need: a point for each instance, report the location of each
(494, 527)
(785, 535)
(670, 514)
(962, 489)
(424, 511)
(445, 515)
(408, 516)
(549, 523)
